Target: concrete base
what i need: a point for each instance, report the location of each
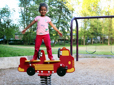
(13, 62)
(9, 62)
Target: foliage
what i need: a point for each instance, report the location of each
(57, 11)
(7, 28)
(60, 16)
(96, 27)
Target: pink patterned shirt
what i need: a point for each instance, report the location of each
(42, 25)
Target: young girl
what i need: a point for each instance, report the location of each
(42, 31)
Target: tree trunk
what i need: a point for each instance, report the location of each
(110, 29)
(54, 43)
(81, 42)
(64, 41)
(84, 40)
(109, 40)
(92, 40)
(102, 32)
(102, 40)
(3, 40)
(7, 42)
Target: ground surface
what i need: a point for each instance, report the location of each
(100, 49)
(88, 71)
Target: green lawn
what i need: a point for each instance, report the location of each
(21, 50)
(26, 50)
(7, 51)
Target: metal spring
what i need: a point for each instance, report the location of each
(45, 80)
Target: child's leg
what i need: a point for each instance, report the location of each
(38, 42)
(48, 45)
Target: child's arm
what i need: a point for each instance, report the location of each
(55, 28)
(33, 22)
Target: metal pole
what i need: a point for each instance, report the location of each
(93, 17)
(76, 39)
(75, 18)
(71, 39)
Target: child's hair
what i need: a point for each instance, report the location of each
(43, 4)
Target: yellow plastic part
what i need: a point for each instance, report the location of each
(44, 66)
(70, 70)
(65, 53)
(52, 61)
(44, 61)
(32, 61)
(69, 62)
(20, 69)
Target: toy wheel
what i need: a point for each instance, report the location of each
(30, 71)
(59, 53)
(61, 71)
(39, 54)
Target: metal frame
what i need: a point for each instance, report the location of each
(112, 52)
(111, 49)
(71, 33)
(111, 46)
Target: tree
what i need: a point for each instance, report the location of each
(58, 12)
(109, 11)
(7, 28)
(28, 11)
(61, 17)
(90, 8)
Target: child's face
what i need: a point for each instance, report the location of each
(43, 11)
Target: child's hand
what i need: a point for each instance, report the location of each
(60, 34)
(23, 32)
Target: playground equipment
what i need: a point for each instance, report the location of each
(90, 52)
(111, 45)
(65, 64)
(111, 50)
(71, 33)
(94, 37)
(45, 68)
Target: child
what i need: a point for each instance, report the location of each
(42, 31)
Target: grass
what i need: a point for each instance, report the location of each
(20, 50)
(7, 51)
(28, 50)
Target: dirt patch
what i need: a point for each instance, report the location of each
(88, 71)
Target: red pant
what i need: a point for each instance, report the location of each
(38, 42)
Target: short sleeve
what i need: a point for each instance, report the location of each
(36, 18)
(49, 20)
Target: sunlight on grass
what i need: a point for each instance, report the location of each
(21, 50)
